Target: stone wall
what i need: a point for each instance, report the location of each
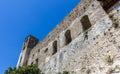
(99, 54)
(92, 51)
(79, 10)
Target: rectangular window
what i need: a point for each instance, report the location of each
(85, 22)
(108, 4)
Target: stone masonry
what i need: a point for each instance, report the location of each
(87, 41)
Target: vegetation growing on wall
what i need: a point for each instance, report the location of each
(85, 34)
(109, 59)
(64, 72)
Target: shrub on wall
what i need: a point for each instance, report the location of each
(85, 34)
(64, 72)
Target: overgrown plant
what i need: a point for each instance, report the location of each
(88, 71)
(109, 59)
(64, 72)
(85, 34)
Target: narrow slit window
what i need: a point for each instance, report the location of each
(20, 59)
(46, 50)
(37, 61)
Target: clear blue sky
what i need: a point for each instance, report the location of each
(19, 18)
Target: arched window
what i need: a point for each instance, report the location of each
(68, 38)
(54, 47)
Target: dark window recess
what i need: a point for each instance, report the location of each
(84, 9)
(108, 4)
(85, 23)
(20, 59)
(38, 50)
(32, 56)
(54, 47)
(32, 42)
(68, 38)
(46, 50)
(24, 48)
(36, 61)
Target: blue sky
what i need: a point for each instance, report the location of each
(19, 18)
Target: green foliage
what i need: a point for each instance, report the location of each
(59, 73)
(30, 69)
(85, 34)
(64, 72)
(108, 59)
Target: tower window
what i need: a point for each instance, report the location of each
(24, 48)
(32, 56)
(37, 61)
(20, 59)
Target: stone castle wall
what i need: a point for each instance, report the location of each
(92, 51)
(99, 54)
(79, 10)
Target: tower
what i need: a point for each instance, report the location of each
(28, 44)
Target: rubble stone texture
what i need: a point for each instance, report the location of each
(87, 41)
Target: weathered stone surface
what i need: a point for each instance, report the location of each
(91, 51)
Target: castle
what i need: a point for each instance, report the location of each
(87, 41)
